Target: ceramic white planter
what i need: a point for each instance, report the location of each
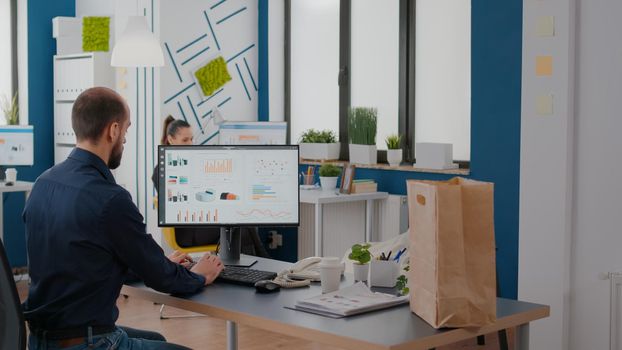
(394, 157)
(361, 271)
(328, 183)
(363, 154)
(320, 151)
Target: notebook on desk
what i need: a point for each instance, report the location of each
(348, 301)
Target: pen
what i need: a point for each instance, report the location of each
(388, 255)
(399, 254)
(382, 256)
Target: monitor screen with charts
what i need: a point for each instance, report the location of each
(16, 145)
(228, 186)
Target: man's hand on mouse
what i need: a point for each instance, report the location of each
(209, 266)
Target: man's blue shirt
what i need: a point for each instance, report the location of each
(83, 234)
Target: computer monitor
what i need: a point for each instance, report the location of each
(16, 147)
(226, 187)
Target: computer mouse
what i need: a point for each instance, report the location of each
(266, 286)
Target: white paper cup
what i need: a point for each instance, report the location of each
(330, 274)
(11, 175)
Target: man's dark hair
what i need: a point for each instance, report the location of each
(94, 110)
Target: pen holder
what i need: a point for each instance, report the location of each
(308, 180)
(383, 273)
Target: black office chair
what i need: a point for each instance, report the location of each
(12, 324)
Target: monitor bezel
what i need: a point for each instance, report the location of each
(162, 183)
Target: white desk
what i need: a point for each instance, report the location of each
(319, 198)
(19, 186)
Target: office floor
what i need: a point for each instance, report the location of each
(210, 333)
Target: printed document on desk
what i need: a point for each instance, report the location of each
(352, 300)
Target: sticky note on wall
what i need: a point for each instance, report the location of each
(544, 66)
(544, 105)
(545, 26)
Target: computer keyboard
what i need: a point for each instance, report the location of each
(244, 276)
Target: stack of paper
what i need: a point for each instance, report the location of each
(351, 300)
(364, 186)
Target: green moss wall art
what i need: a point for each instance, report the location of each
(212, 76)
(95, 34)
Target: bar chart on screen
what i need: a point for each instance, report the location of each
(197, 216)
(218, 167)
(263, 192)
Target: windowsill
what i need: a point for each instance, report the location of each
(382, 166)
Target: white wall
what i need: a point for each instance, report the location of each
(546, 174)
(597, 224)
(570, 192)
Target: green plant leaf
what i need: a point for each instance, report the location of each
(10, 109)
(213, 76)
(393, 141)
(329, 170)
(362, 125)
(95, 33)
(360, 253)
(314, 136)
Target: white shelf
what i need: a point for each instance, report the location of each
(72, 75)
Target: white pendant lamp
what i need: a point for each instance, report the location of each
(137, 46)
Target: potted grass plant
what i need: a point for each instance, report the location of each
(329, 174)
(319, 145)
(10, 109)
(362, 125)
(394, 150)
(361, 257)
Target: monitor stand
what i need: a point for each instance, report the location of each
(230, 247)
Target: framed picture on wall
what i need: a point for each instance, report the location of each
(347, 176)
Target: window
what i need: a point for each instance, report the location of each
(374, 61)
(443, 74)
(315, 63)
(8, 51)
(410, 59)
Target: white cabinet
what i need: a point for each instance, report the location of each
(72, 75)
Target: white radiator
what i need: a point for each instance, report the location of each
(344, 224)
(615, 278)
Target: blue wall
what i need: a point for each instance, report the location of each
(496, 51)
(41, 48)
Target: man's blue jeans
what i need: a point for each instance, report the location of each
(123, 338)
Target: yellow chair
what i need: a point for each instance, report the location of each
(169, 236)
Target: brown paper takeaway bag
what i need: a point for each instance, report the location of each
(452, 261)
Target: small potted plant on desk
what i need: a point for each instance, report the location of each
(329, 174)
(361, 256)
(319, 145)
(362, 125)
(394, 150)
